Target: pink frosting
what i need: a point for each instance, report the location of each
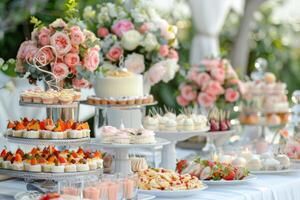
(122, 134)
(109, 130)
(146, 132)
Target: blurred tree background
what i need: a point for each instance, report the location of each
(275, 41)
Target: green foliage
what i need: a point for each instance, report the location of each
(36, 22)
(71, 11)
(8, 67)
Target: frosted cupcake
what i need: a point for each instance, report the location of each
(188, 124)
(65, 98)
(47, 98)
(151, 123)
(26, 96)
(36, 97)
(171, 125)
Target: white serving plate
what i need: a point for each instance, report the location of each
(282, 171)
(251, 177)
(172, 194)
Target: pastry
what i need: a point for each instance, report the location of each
(254, 164)
(239, 162)
(162, 122)
(121, 137)
(70, 168)
(34, 166)
(188, 124)
(171, 125)
(284, 161)
(82, 166)
(151, 123)
(271, 164)
(138, 164)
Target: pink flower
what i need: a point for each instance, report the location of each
(91, 59)
(61, 42)
(206, 100)
(187, 92)
(44, 36)
(144, 28)
(218, 74)
(20, 67)
(27, 49)
(60, 70)
(156, 73)
(72, 59)
(202, 78)
(163, 50)
(182, 101)
(45, 55)
(213, 88)
(114, 53)
(77, 36)
(211, 63)
(233, 81)
(173, 54)
(135, 63)
(122, 26)
(75, 49)
(231, 95)
(78, 84)
(102, 32)
(192, 74)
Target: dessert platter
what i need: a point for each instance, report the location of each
(167, 183)
(122, 139)
(50, 163)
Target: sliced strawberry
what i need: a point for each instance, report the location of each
(62, 160)
(3, 153)
(80, 151)
(74, 154)
(18, 158)
(229, 175)
(181, 165)
(97, 154)
(19, 151)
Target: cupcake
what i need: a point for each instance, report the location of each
(139, 100)
(104, 101)
(171, 125)
(122, 101)
(111, 101)
(145, 99)
(130, 100)
(36, 97)
(77, 96)
(26, 96)
(47, 98)
(90, 100)
(151, 123)
(65, 98)
(150, 98)
(188, 124)
(162, 123)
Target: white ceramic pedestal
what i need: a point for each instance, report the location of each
(169, 151)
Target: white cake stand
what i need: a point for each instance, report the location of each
(169, 151)
(122, 161)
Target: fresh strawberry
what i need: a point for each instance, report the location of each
(223, 126)
(181, 165)
(214, 125)
(3, 153)
(62, 160)
(74, 154)
(18, 158)
(25, 121)
(33, 161)
(80, 151)
(97, 154)
(42, 125)
(19, 151)
(229, 175)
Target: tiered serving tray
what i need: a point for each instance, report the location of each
(118, 106)
(41, 105)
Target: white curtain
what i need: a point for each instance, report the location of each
(208, 19)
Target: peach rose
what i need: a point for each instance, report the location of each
(163, 50)
(27, 49)
(188, 93)
(231, 95)
(210, 63)
(156, 73)
(122, 26)
(182, 101)
(60, 70)
(213, 88)
(192, 74)
(173, 54)
(61, 42)
(144, 28)
(44, 36)
(218, 74)
(75, 49)
(72, 59)
(202, 78)
(206, 100)
(77, 36)
(91, 59)
(102, 32)
(45, 55)
(135, 63)
(114, 53)
(78, 84)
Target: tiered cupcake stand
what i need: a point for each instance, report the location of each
(55, 112)
(122, 161)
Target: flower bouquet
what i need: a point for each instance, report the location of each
(213, 82)
(59, 52)
(134, 36)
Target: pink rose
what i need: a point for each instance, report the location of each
(206, 100)
(20, 67)
(102, 32)
(211, 63)
(44, 36)
(91, 59)
(231, 95)
(61, 42)
(27, 50)
(187, 92)
(72, 59)
(144, 28)
(218, 74)
(182, 101)
(77, 36)
(202, 78)
(173, 54)
(60, 70)
(122, 26)
(114, 53)
(75, 49)
(163, 50)
(156, 73)
(213, 88)
(78, 84)
(45, 55)
(192, 74)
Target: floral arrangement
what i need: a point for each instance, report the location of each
(63, 51)
(134, 36)
(212, 82)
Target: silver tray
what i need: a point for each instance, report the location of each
(49, 176)
(118, 106)
(41, 105)
(46, 142)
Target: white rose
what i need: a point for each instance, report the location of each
(135, 63)
(150, 42)
(112, 10)
(131, 39)
(171, 67)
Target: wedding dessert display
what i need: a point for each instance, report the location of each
(169, 121)
(133, 100)
(38, 95)
(51, 160)
(47, 129)
(167, 180)
(110, 134)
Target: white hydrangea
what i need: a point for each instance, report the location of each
(103, 16)
(89, 13)
(171, 67)
(131, 39)
(150, 42)
(112, 10)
